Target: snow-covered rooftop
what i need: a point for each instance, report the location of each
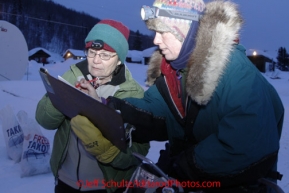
(34, 50)
(266, 53)
(135, 55)
(149, 51)
(75, 52)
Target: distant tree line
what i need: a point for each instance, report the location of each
(283, 59)
(56, 28)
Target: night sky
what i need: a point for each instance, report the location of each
(266, 24)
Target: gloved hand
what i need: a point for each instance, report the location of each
(93, 140)
(114, 103)
(165, 161)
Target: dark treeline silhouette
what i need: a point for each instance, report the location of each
(283, 59)
(54, 27)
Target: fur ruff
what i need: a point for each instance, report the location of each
(219, 27)
(154, 68)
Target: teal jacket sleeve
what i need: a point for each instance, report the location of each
(148, 115)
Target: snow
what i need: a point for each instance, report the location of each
(28, 91)
(135, 55)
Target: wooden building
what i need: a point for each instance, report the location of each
(74, 54)
(260, 59)
(40, 55)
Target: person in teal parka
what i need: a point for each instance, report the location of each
(222, 118)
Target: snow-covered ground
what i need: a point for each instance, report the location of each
(25, 94)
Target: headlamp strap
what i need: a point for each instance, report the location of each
(178, 14)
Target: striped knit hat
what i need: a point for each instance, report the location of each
(114, 36)
(178, 27)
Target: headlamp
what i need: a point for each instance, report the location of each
(97, 44)
(154, 12)
(147, 12)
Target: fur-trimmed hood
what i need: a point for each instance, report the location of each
(218, 30)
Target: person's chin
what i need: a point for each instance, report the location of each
(96, 72)
(169, 57)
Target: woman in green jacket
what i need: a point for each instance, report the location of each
(75, 166)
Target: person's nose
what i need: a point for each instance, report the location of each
(158, 38)
(97, 59)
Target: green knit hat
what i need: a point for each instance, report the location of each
(114, 35)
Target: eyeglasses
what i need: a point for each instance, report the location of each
(104, 56)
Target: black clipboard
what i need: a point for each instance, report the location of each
(71, 102)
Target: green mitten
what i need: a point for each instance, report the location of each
(93, 140)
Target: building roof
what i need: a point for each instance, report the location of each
(149, 51)
(35, 50)
(265, 53)
(135, 55)
(75, 52)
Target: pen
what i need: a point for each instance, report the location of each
(78, 85)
